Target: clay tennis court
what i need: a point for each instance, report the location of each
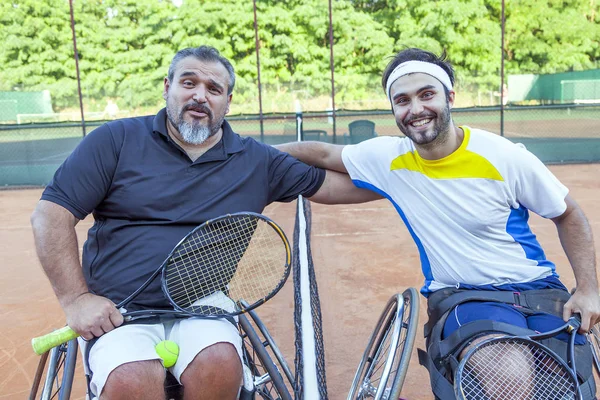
(362, 254)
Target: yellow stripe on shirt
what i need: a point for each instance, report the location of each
(462, 163)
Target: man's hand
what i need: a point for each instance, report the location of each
(587, 304)
(92, 316)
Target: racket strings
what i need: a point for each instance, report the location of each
(224, 262)
(207, 250)
(515, 370)
(185, 279)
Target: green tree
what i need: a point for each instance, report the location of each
(552, 36)
(37, 51)
(125, 47)
(227, 25)
(469, 30)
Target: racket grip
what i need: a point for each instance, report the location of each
(42, 344)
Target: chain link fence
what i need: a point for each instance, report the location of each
(557, 116)
(30, 153)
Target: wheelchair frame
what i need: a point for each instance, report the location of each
(56, 369)
(389, 347)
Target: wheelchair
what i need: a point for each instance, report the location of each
(267, 375)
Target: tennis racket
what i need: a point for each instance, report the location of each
(222, 268)
(519, 368)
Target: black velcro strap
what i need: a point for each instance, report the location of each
(549, 301)
(469, 331)
(436, 309)
(440, 386)
(588, 389)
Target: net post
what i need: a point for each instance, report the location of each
(299, 129)
(310, 381)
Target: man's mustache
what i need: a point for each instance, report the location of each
(420, 116)
(198, 108)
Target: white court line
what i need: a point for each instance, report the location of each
(371, 232)
(366, 209)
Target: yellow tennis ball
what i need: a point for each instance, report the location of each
(168, 350)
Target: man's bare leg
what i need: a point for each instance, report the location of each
(214, 374)
(136, 380)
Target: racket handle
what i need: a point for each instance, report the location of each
(42, 344)
(574, 322)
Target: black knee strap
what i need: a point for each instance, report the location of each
(441, 357)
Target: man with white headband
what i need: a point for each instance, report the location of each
(465, 195)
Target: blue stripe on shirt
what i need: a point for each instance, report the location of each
(517, 226)
(425, 265)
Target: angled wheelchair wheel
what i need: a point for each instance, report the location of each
(384, 364)
(55, 373)
(272, 377)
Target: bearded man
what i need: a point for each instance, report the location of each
(465, 196)
(148, 181)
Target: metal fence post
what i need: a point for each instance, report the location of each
(332, 68)
(502, 28)
(256, 44)
(77, 67)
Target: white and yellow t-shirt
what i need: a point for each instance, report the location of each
(467, 212)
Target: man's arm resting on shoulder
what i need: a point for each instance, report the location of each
(318, 154)
(576, 238)
(338, 188)
(56, 244)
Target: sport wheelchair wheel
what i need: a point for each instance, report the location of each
(272, 377)
(57, 368)
(384, 364)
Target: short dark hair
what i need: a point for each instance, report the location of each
(414, 54)
(203, 53)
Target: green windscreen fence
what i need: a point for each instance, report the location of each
(580, 91)
(563, 150)
(578, 87)
(18, 107)
(31, 153)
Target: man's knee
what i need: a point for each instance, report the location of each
(140, 379)
(473, 343)
(219, 360)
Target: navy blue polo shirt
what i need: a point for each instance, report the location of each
(146, 194)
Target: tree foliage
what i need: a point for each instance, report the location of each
(125, 46)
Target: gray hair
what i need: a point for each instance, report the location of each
(203, 53)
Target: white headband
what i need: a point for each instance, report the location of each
(411, 67)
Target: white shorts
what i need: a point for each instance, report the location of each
(135, 342)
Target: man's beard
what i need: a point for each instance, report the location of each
(194, 133)
(438, 133)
